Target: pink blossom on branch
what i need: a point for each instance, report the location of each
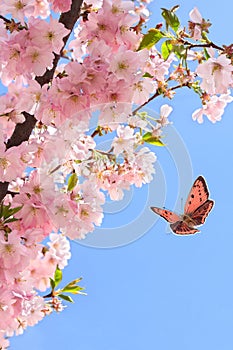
(60, 5)
(48, 35)
(216, 74)
(103, 72)
(198, 24)
(196, 18)
(213, 109)
(18, 9)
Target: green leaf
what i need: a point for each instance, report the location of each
(13, 211)
(66, 297)
(74, 282)
(150, 39)
(52, 283)
(72, 181)
(196, 88)
(7, 211)
(207, 56)
(166, 49)
(57, 276)
(171, 19)
(147, 75)
(180, 51)
(72, 289)
(10, 220)
(153, 140)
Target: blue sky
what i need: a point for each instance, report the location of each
(161, 291)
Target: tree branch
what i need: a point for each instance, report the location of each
(23, 131)
(68, 19)
(210, 44)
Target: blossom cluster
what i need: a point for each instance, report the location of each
(58, 178)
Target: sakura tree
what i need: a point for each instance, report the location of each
(61, 63)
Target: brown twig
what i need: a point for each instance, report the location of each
(158, 94)
(5, 19)
(191, 46)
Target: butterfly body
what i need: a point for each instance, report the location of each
(197, 208)
(188, 220)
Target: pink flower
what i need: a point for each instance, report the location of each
(59, 248)
(6, 309)
(48, 35)
(11, 57)
(82, 147)
(216, 74)
(76, 73)
(12, 251)
(12, 162)
(143, 89)
(9, 108)
(41, 8)
(213, 109)
(196, 18)
(32, 310)
(165, 111)
(4, 343)
(112, 114)
(18, 9)
(197, 25)
(92, 195)
(89, 216)
(32, 96)
(157, 67)
(41, 269)
(143, 166)
(3, 35)
(33, 212)
(125, 140)
(37, 59)
(60, 5)
(61, 210)
(125, 64)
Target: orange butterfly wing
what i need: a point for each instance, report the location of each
(201, 213)
(181, 228)
(168, 215)
(198, 195)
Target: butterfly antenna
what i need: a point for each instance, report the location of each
(181, 202)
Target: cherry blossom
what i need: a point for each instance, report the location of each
(216, 74)
(61, 5)
(213, 109)
(196, 18)
(48, 35)
(18, 9)
(125, 140)
(197, 25)
(56, 177)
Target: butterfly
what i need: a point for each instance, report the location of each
(197, 207)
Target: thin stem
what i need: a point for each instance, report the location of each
(158, 94)
(145, 103)
(5, 19)
(211, 44)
